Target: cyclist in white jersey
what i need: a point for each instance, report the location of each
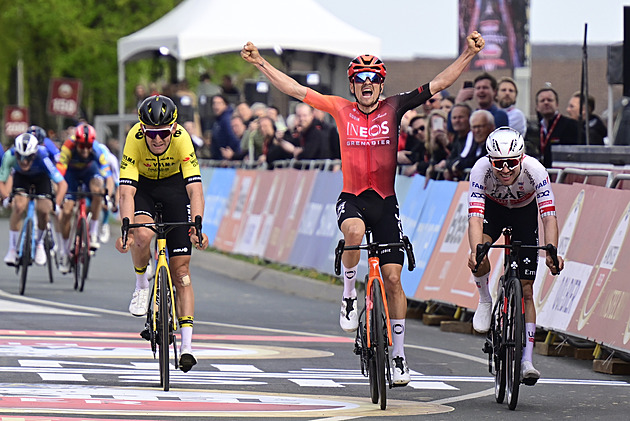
(510, 189)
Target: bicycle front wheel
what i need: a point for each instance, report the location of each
(498, 348)
(163, 326)
(514, 352)
(25, 259)
(379, 341)
(48, 246)
(81, 255)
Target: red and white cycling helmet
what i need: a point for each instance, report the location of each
(366, 63)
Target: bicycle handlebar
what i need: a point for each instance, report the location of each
(483, 249)
(341, 246)
(161, 228)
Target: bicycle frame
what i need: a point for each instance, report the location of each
(375, 275)
(30, 216)
(162, 261)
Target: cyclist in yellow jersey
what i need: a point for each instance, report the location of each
(159, 165)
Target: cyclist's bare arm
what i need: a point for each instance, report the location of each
(127, 209)
(195, 194)
(475, 237)
(449, 75)
(279, 79)
(550, 225)
(62, 188)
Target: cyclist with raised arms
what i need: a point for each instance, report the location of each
(31, 166)
(510, 189)
(368, 131)
(159, 165)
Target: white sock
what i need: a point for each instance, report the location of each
(142, 281)
(66, 245)
(13, 236)
(93, 227)
(482, 288)
(40, 235)
(530, 332)
(398, 337)
(349, 280)
(186, 334)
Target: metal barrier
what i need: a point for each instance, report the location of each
(618, 179)
(586, 174)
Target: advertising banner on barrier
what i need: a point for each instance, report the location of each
(411, 205)
(227, 233)
(603, 312)
(252, 238)
(548, 289)
(402, 186)
(425, 231)
(447, 277)
(318, 226)
(218, 187)
(294, 190)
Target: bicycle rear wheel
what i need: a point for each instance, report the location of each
(25, 259)
(163, 327)
(498, 349)
(378, 341)
(514, 352)
(48, 246)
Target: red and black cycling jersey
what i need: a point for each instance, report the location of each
(368, 142)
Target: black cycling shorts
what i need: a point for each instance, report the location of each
(524, 223)
(171, 192)
(380, 215)
(23, 182)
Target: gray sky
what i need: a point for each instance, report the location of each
(428, 28)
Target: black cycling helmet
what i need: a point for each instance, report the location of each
(157, 110)
(38, 132)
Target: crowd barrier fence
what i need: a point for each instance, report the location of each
(288, 216)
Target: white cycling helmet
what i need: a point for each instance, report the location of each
(26, 144)
(505, 142)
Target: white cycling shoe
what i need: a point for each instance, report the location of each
(529, 375)
(482, 317)
(400, 371)
(139, 304)
(11, 257)
(40, 254)
(348, 316)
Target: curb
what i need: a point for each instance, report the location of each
(267, 278)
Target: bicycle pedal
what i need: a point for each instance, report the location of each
(487, 348)
(529, 381)
(145, 334)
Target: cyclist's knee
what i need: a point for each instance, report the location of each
(181, 276)
(353, 232)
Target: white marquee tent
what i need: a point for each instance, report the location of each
(197, 28)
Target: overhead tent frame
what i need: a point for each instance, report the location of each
(197, 28)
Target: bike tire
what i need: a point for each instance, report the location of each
(75, 253)
(25, 259)
(378, 341)
(371, 366)
(515, 332)
(85, 256)
(48, 246)
(163, 327)
(498, 349)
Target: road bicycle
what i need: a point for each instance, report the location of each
(161, 321)
(80, 252)
(506, 337)
(27, 241)
(374, 334)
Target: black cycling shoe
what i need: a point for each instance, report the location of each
(186, 362)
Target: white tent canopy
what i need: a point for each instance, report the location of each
(199, 28)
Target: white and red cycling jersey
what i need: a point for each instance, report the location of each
(532, 182)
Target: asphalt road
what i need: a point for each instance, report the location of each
(268, 345)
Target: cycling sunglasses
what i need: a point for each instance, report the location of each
(153, 133)
(364, 76)
(25, 158)
(511, 163)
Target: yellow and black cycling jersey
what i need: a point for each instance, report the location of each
(138, 161)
